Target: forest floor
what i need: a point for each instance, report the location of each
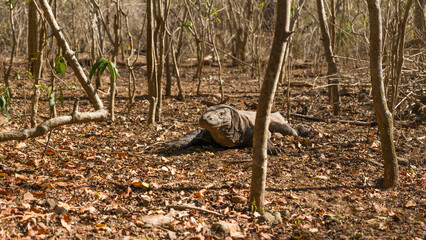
(112, 180)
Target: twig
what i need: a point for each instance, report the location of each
(181, 207)
(162, 135)
(405, 98)
(173, 183)
(11, 217)
(150, 146)
(311, 118)
(47, 144)
(239, 161)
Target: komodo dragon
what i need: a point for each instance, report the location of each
(232, 128)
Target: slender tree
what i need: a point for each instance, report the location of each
(384, 116)
(331, 63)
(11, 5)
(33, 67)
(267, 93)
(151, 63)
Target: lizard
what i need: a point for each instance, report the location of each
(231, 128)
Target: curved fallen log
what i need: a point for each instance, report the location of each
(50, 124)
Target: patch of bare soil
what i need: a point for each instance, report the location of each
(113, 180)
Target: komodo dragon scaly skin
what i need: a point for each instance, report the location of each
(232, 128)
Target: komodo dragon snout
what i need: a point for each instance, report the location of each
(217, 118)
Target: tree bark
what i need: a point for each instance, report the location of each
(261, 133)
(33, 56)
(50, 124)
(32, 37)
(384, 116)
(328, 51)
(181, 96)
(13, 50)
(151, 64)
(113, 80)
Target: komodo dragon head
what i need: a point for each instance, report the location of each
(227, 127)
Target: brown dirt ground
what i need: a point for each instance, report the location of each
(99, 180)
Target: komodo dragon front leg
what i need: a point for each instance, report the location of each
(193, 138)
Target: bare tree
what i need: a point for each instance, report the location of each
(331, 63)
(384, 116)
(116, 43)
(33, 55)
(156, 31)
(199, 35)
(212, 35)
(397, 53)
(267, 92)
(240, 18)
(11, 6)
(76, 116)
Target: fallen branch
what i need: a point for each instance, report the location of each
(195, 208)
(316, 119)
(50, 124)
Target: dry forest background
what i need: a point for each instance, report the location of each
(80, 172)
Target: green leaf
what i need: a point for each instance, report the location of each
(60, 65)
(187, 25)
(113, 71)
(41, 86)
(61, 97)
(97, 66)
(52, 100)
(29, 74)
(3, 107)
(49, 90)
(102, 67)
(18, 77)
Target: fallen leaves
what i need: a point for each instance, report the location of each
(99, 180)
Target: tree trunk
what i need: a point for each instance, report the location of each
(260, 138)
(384, 117)
(181, 96)
(328, 51)
(114, 60)
(397, 59)
(333, 25)
(13, 50)
(151, 64)
(168, 75)
(32, 56)
(161, 10)
(419, 18)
